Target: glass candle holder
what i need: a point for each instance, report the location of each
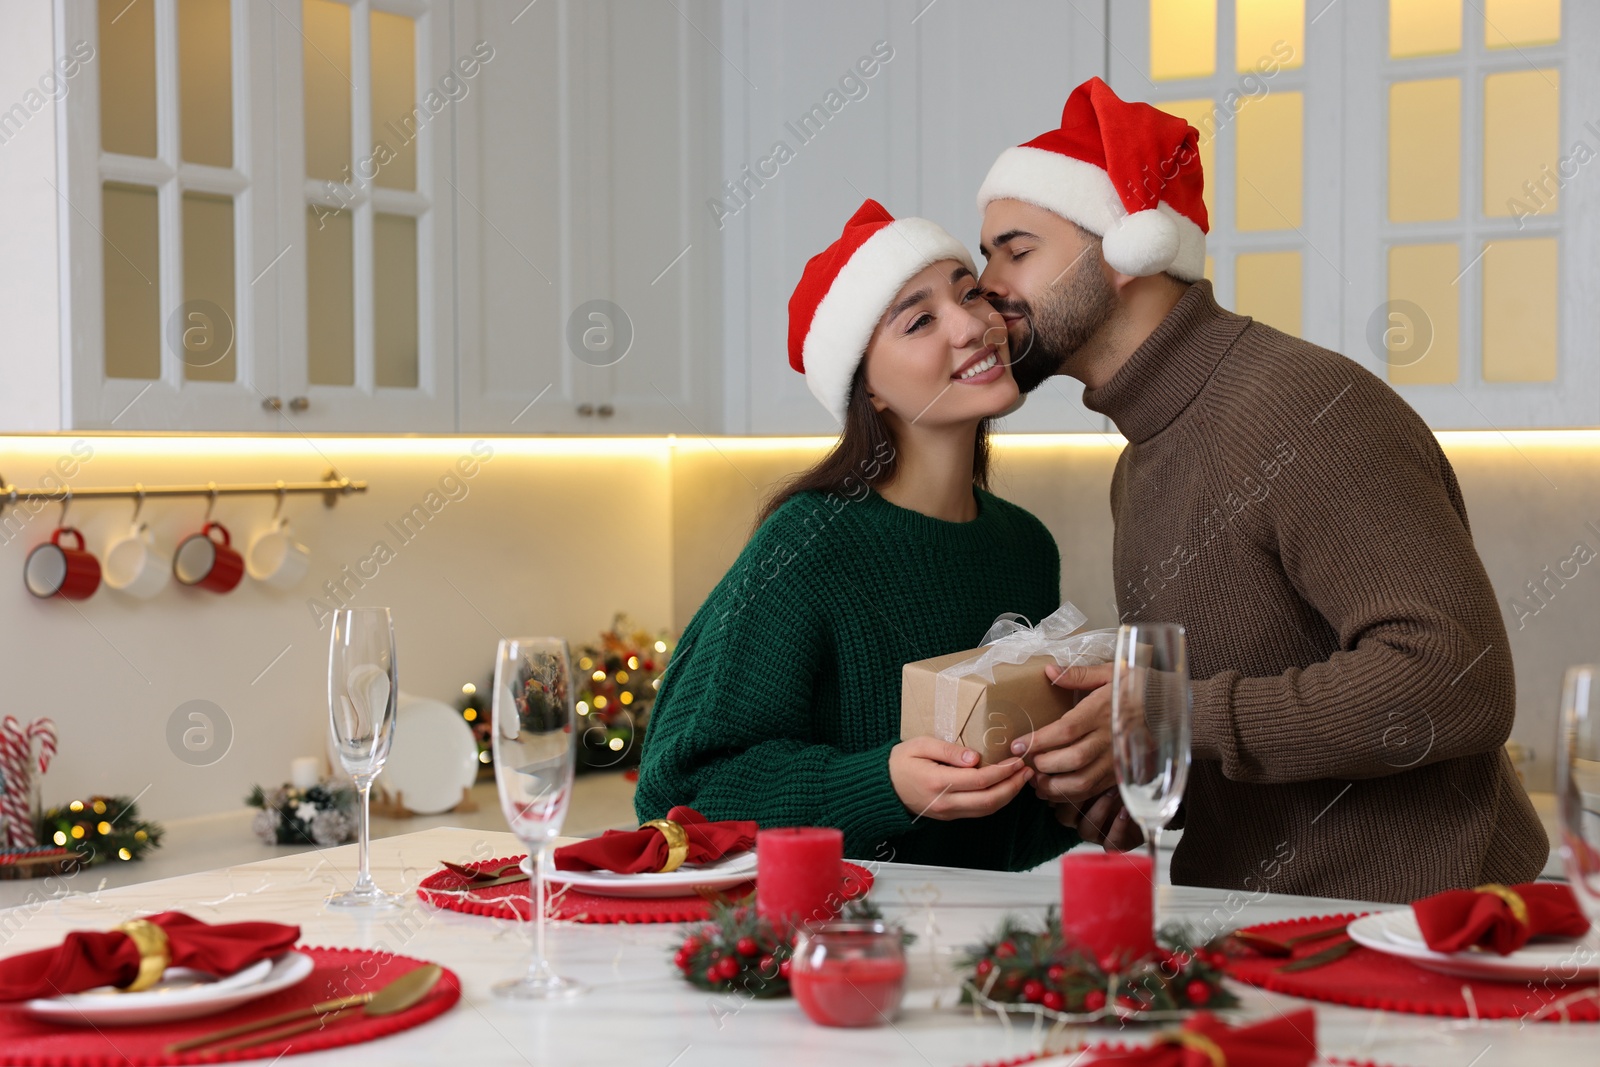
(849, 973)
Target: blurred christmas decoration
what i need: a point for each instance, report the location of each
(320, 815)
(100, 829)
(26, 750)
(616, 679)
(475, 708)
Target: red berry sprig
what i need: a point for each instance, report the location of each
(736, 952)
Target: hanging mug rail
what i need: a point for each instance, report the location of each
(332, 487)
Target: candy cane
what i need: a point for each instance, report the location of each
(44, 730)
(15, 753)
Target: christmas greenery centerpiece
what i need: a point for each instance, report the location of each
(736, 951)
(100, 828)
(1037, 971)
(739, 951)
(324, 814)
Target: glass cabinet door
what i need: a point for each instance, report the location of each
(167, 211)
(368, 338)
(1437, 236)
(250, 209)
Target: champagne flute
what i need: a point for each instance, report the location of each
(1578, 785)
(362, 689)
(1151, 719)
(535, 755)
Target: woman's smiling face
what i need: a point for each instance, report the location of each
(939, 355)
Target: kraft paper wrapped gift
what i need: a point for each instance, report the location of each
(987, 697)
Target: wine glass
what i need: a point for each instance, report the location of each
(1578, 785)
(1151, 716)
(535, 755)
(362, 689)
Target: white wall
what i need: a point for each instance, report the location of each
(546, 538)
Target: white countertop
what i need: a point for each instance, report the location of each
(640, 1012)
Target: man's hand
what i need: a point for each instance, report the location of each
(1073, 754)
(942, 780)
(1103, 822)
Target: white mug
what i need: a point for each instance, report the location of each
(134, 565)
(275, 558)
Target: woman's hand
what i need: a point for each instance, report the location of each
(941, 780)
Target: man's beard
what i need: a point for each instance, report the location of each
(1060, 323)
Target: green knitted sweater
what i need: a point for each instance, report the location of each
(782, 700)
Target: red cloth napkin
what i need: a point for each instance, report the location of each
(1285, 1041)
(90, 958)
(1458, 919)
(640, 851)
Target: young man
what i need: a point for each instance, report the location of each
(1352, 679)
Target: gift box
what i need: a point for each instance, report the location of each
(986, 697)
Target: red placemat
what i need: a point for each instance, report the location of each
(339, 972)
(512, 901)
(1368, 979)
(1103, 1047)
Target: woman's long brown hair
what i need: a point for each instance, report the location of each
(865, 454)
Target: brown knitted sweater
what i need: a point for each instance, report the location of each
(1353, 678)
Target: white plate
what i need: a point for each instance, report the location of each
(728, 871)
(1397, 934)
(434, 756)
(181, 994)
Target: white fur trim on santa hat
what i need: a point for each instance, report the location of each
(860, 294)
(1145, 242)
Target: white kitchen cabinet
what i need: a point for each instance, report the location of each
(587, 271)
(184, 218)
(365, 200)
(148, 346)
(1442, 235)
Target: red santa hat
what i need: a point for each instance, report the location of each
(846, 288)
(1125, 171)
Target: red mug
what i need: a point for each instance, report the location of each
(53, 570)
(206, 563)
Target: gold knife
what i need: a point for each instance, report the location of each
(1319, 959)
(471, 886)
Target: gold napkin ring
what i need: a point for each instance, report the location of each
(151, 941)
(1189, 1039)
(1513, 899)
(677, 842)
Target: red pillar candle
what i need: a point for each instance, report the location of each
(799, 874)
(1106, 904)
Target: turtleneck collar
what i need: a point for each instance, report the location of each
(1168, 370)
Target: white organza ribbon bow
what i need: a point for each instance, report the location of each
(1012, 640)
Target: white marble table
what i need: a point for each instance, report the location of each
(640, 1012)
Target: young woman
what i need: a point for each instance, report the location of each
(782, 703)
